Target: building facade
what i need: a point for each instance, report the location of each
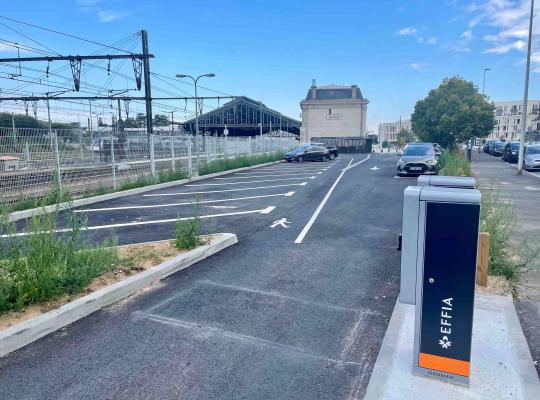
(508, 119)
(389, 131)
(333, 111)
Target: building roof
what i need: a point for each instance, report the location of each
(334, 92)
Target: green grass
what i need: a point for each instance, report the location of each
(225, 164)
(454, 163)
(42, 266)
(187, 235)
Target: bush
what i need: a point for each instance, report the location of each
(187, 231)
(43, 265)
(454, 163)
(225, 164)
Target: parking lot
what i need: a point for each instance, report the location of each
(296, 310)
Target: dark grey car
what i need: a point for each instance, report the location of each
(417, 159)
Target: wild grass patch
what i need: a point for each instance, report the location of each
(227, 163)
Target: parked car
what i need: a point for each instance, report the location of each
(331, 148)
(418, 158)
(531, 159)
(310, 152)
(511, 152)
(487, 145)
(496, 148)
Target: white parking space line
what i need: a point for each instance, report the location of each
(268, 175)
(187, 203)
(292, 170)
(266, 210)
(311, 221)
(224, 190)
(247, 182)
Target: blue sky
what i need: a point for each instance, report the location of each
(396, 51)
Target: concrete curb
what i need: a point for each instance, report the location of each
(28, 331)
(17, 215)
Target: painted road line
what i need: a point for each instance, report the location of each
(243, 183)
(224, 190)
(311, 221)
(187, 203)
(357, 163)
(266, 210)
(270, 175)
(292, 169)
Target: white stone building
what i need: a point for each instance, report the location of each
(333, 111)
(389, 131)
(508, 119)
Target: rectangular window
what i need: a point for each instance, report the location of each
(329, 111)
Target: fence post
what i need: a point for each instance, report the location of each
(81, 144)
(482, 259)
(190, 163)
(112, 163)
(57, 157)
(26, 151)
(172, 154)
(152, 159)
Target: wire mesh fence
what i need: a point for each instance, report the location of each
(36, 162)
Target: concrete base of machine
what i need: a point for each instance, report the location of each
(501, 363)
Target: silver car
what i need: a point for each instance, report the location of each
(532, 157)
(417, 159)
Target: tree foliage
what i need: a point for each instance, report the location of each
(405, 136)
(454, 112)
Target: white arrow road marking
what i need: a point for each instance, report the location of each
(224, 190)
(187, 203)
(243, 183)
(311, 221)
(266, 210)
(268, 175)
(375, 168)
(281, 222)
(357, 163)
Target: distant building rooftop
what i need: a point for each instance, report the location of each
(334, 92)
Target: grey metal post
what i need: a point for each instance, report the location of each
(190, 163)
(525, 95)
(152, 158)
(81, 143)
(172, 154)
(112, 162)
(57, 156)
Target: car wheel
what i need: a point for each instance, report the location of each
(323, 158)
(299, 159)
(289, 160)
(332, 156)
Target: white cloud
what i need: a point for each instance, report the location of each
(418, 66)
(408, 31)
(111, 15)
(433, 40)
(467, 35)
(505, 48)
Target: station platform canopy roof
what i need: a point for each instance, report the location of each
(242, 117)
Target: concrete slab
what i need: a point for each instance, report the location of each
(501, 364)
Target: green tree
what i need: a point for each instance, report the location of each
(161, 120)
(454, 112)
(21, 121)
(385, 144)
(140, 120)
(405, 136)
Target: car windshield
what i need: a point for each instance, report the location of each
(533, 150)
(515, 146)
(418, 151)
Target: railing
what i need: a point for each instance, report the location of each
(34, 161)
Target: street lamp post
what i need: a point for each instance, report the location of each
(210, 75)
(484, 84)
(525, 95)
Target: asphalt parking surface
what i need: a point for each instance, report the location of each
(268, 318)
